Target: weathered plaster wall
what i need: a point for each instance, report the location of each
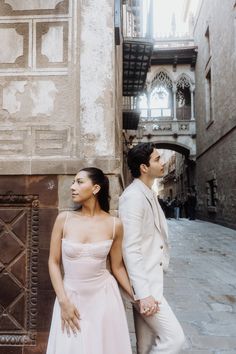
(59, 76)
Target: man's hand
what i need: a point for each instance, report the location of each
(148, 306)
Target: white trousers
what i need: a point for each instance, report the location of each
(160, 333)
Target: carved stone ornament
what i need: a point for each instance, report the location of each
(19, 225)
(162, 79)
(183, 82)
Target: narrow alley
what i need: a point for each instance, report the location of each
(201, 284)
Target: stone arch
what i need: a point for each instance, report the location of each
(186, 77)
(178, 147)
(162, 75)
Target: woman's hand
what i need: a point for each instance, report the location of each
(148, 306)
(69, 317)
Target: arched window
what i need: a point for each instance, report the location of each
(161, 96)
(183, 98)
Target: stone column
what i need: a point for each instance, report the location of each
(192, 89)
(174, 89)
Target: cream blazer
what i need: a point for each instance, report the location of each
(145, 242)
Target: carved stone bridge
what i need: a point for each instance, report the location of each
(175, 135)
(166, 133)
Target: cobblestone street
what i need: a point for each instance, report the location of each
(201, 285)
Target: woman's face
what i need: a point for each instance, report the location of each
(82, 187)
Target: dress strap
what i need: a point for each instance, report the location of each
(63, 233)
(114, 228)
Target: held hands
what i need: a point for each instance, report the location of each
(148, 306)
(69, 317)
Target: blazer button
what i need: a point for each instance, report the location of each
(161, 264)
(161, 247)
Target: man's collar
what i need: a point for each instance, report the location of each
(148, 191)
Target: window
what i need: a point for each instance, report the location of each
(161, 96)
(160, 102)
(208, 44)
(235, 33)
(212, 195)
(208, 97)
(183, 99)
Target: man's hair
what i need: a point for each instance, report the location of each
(138, 155)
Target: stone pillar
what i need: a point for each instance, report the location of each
(174, 89)
(192, 89)
(97, 105)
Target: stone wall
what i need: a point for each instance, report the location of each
(60, 110)
(216, 150)
(218, 164)
(58, 85)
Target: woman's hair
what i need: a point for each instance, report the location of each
(97, 177)
(138, 155)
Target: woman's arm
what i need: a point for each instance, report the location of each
(116, 260)
(69, 313)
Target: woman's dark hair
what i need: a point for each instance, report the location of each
(97, 177)
(138, 155)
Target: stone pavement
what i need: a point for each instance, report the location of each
(200, 285)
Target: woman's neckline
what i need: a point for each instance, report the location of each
(79, 213)
(86, 243)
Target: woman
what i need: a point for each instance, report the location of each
(88, 315)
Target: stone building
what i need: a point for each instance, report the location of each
(215, 36)
(60, 110)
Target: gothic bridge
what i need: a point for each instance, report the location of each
(163, 111)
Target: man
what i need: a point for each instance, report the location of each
(145, 250)
(192, 202)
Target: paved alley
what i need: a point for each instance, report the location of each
(200, 285)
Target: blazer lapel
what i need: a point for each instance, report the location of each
(150, 198)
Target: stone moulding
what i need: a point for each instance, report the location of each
(26, 335)
(21, 59)
(42, 28)
(20, 8)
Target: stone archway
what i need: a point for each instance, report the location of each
(175, 147)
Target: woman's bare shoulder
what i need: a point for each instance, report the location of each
(118, 221)
(61, 217)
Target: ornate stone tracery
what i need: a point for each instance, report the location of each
(161, 79)
(183, 82)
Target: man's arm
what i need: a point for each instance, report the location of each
(131, 211)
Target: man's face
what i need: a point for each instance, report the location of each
(156, 166)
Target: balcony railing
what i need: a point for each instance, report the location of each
(167, 127)
(173, 41)
(183, 113)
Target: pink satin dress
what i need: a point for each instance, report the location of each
(95, 292)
